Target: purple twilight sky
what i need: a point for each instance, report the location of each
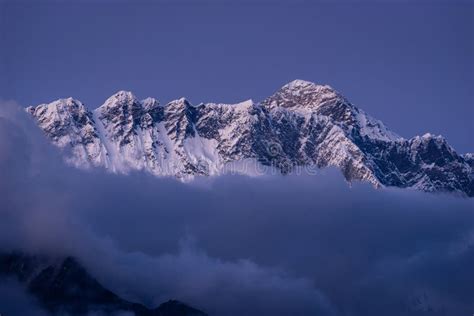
(409, 64)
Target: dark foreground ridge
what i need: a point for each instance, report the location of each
(63, 286)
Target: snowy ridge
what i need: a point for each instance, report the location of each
(301, 124)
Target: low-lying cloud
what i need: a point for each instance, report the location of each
(16, 301)
(233, 245)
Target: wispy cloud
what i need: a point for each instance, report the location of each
(233, 245)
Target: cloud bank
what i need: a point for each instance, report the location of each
(234, 245)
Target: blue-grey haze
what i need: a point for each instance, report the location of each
(293, 245)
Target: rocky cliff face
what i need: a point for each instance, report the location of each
(301, 124)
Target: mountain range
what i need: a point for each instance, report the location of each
(302, 125)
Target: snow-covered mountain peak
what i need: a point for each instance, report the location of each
(68, 104)
(302, 96)
(433, 145)
(428, 137)
(61, 112)
(298, 84)
(179, 103)
(432, 137)
(301, 87)
(121, 107)
(301, 124)
(123, 95)
(150, 103)
(469, 159)
(119, 99)
(469, 156)
(70, 126)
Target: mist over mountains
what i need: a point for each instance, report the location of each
(158, 158)
(238, 245)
